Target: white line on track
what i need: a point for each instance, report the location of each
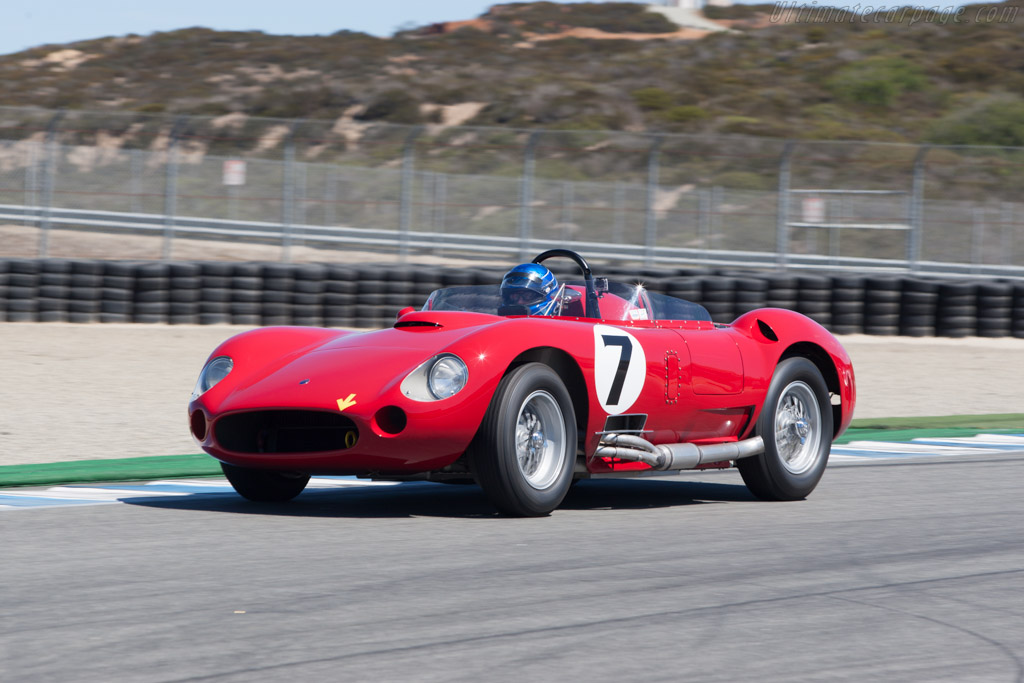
(929, 447)
(63, 496)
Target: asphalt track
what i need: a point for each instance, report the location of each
(892, 570)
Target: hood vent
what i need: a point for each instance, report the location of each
(424, 325)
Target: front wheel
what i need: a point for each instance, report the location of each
(265, 486)
(796, 425)
(524, 453)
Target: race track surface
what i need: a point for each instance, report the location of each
(907, 570)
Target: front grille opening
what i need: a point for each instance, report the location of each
(286, 431)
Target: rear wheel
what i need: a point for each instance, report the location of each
(265, 486)
(796, 425)
(524, 454)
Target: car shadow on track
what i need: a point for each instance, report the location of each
(422, 499)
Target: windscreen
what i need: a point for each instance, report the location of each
(621, 302)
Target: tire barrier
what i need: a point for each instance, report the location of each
(369, 296)
(1017, 313)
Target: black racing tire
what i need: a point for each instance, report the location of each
(265, 486)
(519, 480)
(797, 399)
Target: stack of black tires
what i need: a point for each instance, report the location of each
(369, 296)
(1017, 312)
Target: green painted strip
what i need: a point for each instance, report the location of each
(119, 469)
(907, 428)
(1012, 421)
(182, 466)
(910, 434)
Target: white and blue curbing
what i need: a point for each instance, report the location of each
(111, 494)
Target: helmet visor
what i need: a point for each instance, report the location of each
(518, 296)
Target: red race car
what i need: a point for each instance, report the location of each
(525, 387)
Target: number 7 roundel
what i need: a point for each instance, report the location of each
(619, 368)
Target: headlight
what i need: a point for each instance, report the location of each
(440, 377)
(214, 371)
(447, 376)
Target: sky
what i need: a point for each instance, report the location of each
(31, 23)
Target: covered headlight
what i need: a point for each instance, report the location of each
(213, 372)
(440, 377)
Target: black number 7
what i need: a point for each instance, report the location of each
(620, 373)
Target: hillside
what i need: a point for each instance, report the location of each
(596, 66)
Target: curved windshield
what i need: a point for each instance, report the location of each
(620, 302)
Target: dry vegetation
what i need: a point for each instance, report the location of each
(953, 83)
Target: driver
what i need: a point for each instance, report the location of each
(530, 286)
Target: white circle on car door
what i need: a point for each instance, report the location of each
(620, 367)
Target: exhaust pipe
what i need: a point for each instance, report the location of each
(675, 456)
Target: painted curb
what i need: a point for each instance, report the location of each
(200, 465)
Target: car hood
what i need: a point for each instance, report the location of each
(361, 367)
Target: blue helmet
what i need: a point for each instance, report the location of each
(531, 286)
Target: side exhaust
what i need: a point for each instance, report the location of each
(675, 456)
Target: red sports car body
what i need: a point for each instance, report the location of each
(521, 404)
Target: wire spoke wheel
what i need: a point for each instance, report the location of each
(798, 427)
(540, 440)
(524, 453)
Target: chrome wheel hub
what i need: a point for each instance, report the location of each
(798, 428)
(540, 440)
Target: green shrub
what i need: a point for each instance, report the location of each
(877, 81)
(686, 113)
(394, 106)
(988, 120)
(744, 125)
(743, 180)
(653, 99)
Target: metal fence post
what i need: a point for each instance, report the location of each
(916, 217)
(439, 217)
(300, 172)
(618, 202)
(782, 211)
(978, 237)
(650, 212)
(1007, 220)
(526, 197)
(32, 179)
(704, 219)
(171, 186)
(49, 179)
(331, 196)
(715, 219)
(136, 169)
(567, 201)
(405, 192)
(288, 193)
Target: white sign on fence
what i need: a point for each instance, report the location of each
(814, 210)
(234, 172)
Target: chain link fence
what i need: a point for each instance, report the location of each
(404, 190)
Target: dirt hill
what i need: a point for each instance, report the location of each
(947, 79)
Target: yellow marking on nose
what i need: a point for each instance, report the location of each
(346, 402)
